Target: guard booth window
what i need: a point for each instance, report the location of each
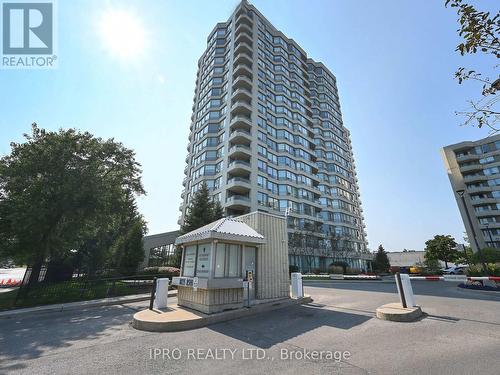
(228, 260)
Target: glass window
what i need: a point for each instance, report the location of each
(233, 262)
(220, 257)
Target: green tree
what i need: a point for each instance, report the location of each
(381, 260)
(441, 247)
(217, 211)
(57, 189)
(480, 32)
(202, 210)
(128, 250)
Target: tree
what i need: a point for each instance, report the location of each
(480, 32)
(128, 250)
(381, 260)
(217, 211)
(202, 210)
(441, 247)
(58, 189)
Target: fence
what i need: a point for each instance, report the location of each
(82, 289)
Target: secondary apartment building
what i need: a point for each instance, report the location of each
(474, 171)
(266, 134)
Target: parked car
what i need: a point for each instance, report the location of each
(454, 270)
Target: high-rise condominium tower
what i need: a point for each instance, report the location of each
(267, 134)
(474, 172)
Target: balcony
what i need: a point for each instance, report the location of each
(243, 19)
(239, 185)
(243, 70)
(244, 28)
(241, 107)
(242, 94)
(477, 177)
(238, 202)
(243, 58)
(244, 38)
(240, 152)
(241, 122)
(240, 136)
(242, 82)
(243, 47)
(239, 168)
(468, 157)
(470, 168)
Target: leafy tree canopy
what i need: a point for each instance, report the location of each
(381, 261)
(441, 247)
(64, 192)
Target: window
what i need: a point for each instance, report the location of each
(233, 261)
(220, 257)
(228, 260)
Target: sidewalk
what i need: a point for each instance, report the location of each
(79, 305)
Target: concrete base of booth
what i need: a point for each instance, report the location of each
(177, 318)
(210, 301)
(397, 313)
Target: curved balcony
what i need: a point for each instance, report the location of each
(239, 168)
(242, 122)
(242, 94)
(243, 19)
(243, 47)
(238, 202)
(240, 136)
(243, 70)
(241, 152)
(243, 28)
(244, 38)
(242, 58)
(241, 107)
(242, 82)
(239, 185)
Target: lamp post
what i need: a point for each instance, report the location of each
(461, 194)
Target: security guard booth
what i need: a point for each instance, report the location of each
(222, 267)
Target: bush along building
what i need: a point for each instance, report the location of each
(267, 135)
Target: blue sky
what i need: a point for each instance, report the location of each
(394, 62)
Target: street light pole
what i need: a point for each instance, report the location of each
(461, 194)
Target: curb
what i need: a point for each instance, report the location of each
(77, 305)
(205, 320)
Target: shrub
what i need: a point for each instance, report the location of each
(293, 268)
(171, 271)
(336, 270)
(490, 255)
(342, 264)
(477, 269)
(353, 271)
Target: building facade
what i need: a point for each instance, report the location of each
(266, 134)
(474, 172)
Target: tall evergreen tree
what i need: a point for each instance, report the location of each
(202, 210)
(381, 260)
(217, 211)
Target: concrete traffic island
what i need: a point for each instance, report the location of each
(397, 313)
(177, 318)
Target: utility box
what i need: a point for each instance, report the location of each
(297, 290)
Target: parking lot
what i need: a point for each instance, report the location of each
(460, 334)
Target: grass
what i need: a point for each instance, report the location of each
(69, 291)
